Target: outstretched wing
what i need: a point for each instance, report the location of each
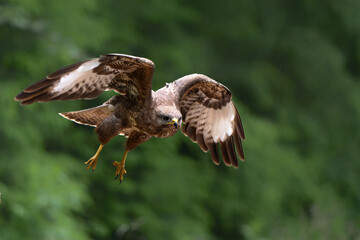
(210, 117)
(127, 75)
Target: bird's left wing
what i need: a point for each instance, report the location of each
(127, 75)
(210, 117)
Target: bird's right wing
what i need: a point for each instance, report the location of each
(127, 75)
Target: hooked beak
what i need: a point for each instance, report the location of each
(175, 122)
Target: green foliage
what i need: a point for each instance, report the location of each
(293, 69)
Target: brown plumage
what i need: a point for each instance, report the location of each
(204, 106)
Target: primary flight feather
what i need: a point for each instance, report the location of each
(203, 105)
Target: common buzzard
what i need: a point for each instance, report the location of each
(203, 105)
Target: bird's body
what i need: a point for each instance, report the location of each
(139, 113)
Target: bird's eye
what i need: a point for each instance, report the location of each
(166, 118)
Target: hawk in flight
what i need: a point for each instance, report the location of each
(197, 104)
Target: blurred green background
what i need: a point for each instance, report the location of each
(293, 69)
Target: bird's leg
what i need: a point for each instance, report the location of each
(92, 161)
(120, 167)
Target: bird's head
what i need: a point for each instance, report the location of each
(168, 117)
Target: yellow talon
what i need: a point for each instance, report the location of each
(120, 168)
(93, 161)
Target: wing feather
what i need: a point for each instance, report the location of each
(91, 116)
(238, 145)
(210, 117)
(225, 154)
(200, 140)
(214, 152)
(191, 133)
(88, 79)
(231, 152)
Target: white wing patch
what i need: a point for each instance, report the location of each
(213, 124)
(223, 122)
(68, 81)
(220, 122)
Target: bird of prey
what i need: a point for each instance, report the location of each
(197, 104)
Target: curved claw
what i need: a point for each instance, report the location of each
(120, 167)
(120, 170)
(93, 161)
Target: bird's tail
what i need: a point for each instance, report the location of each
(91, 116)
